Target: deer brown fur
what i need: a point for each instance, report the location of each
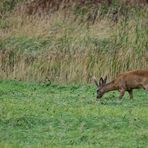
(126, 81)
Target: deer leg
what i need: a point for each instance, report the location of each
(130, 92)
(121, 89)
(146, 87)
(122, 92)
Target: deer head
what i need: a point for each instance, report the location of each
(100, 85)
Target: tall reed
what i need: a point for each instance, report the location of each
(59, 49)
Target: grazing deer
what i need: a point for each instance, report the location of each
(126, 81)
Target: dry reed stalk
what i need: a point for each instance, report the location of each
(66, 51)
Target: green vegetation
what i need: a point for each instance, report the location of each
(51, 115)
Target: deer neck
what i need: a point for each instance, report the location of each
(110, 86)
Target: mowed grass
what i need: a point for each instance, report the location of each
(59, 115)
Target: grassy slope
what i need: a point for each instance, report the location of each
(63, 48)
(38, 115)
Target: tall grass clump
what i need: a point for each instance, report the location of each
(73, 45)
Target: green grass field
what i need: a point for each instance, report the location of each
(52, 115)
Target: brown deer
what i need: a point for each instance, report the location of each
(126, 81)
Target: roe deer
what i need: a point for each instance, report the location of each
(126, 81)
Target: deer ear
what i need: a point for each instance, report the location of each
(105, 80)
(100, 81)
(95, 80)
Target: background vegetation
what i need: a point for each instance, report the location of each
(69, 41)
